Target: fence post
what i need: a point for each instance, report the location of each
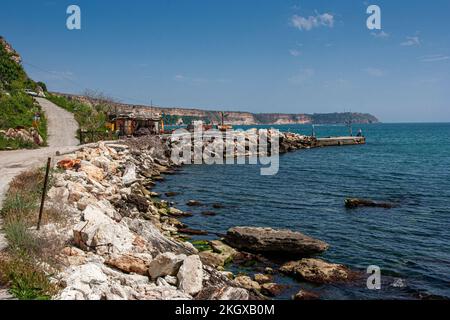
(44, 192)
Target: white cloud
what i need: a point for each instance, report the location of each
(434, 58)
(303, 76)
(375, 72)
(198, 80)
(411, 42)
(319, 20)
(380, 35)
(295, 53)
(337, 84)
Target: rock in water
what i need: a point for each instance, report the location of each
(166, 264)
(190, 276)
(274, 242)
(272, 289)
(263, 278)
(193, 203)
(175, 212)
(317, 271)
(355, 203)
(209, 213)
(306, 295)
(220, 255)
(230, 293)
(247, 283)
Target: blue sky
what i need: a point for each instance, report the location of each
(248, 55)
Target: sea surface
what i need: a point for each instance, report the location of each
(406, 164)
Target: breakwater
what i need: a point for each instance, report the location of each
(123, 242)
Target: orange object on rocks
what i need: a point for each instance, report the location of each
(69, 164)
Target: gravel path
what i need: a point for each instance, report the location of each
(62, 129)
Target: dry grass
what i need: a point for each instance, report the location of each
(55, 214)
(21, 266)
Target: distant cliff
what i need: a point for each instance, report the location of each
(240, 118)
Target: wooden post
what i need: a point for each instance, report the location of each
(44, 192)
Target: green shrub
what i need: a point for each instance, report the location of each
(42, 85)
(88, 117)
(22, 267)
(26, 280)
(20, 239)
(14, 144)
(18, 205)
(12, 74)
(16, 107)
(17, 110)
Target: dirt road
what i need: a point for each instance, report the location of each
(62, 129)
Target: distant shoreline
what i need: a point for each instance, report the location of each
(238, 117)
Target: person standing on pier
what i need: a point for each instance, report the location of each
(360, 133)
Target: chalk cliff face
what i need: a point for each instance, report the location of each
(280, 118)
(244, 118)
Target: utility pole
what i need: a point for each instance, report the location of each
(349, 123)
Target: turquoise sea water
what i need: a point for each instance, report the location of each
(407, 164)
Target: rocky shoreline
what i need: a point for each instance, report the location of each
(120, 241)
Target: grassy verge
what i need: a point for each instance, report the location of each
(17, 110)
(14, 144)
(92, 119)
(26, 265)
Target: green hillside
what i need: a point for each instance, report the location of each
(17, 109)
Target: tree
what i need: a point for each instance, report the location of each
(42, 85)
(100, 101)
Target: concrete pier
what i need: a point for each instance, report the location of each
(339, 141)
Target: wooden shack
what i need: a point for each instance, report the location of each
(135, 124)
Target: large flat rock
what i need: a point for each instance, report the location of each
(274, 242)
(318, 271)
